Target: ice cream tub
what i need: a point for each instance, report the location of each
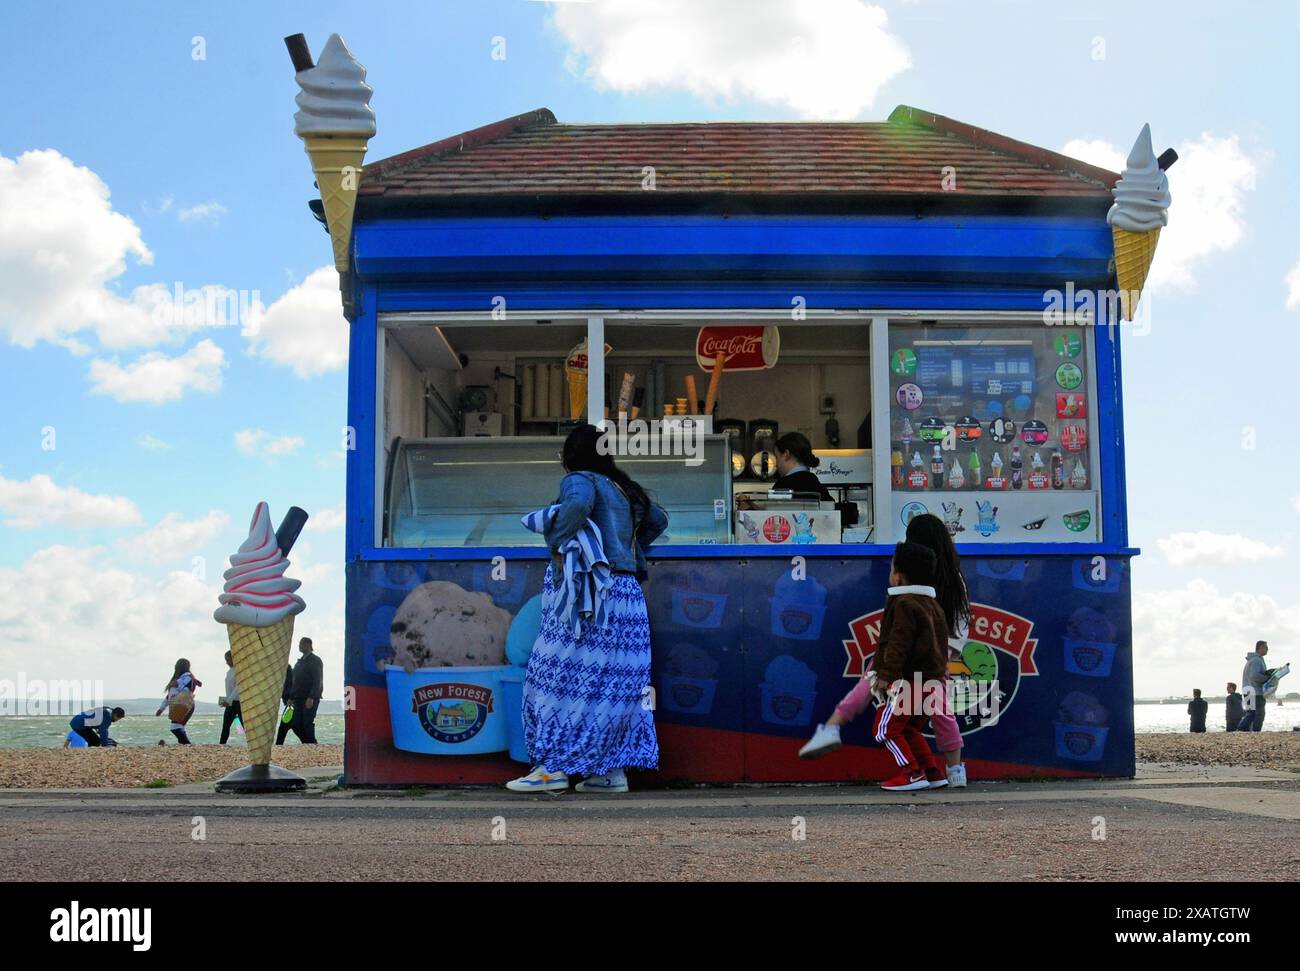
(687, 696)
(512, 703)
(788, 692)
(1091, 659)
(447, 711)
(695, 608)
(1082, 743)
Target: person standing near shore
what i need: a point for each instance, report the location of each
(1197, 709)
(1253, 678)
(179, 699)
(308, 686)
(1232, 707)
(585, 709)
(230, 700)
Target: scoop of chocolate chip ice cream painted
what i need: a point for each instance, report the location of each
(442, 625)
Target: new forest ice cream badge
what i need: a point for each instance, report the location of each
(258, 605)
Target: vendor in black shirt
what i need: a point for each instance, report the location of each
(795, 462)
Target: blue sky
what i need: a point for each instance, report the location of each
(208, 186)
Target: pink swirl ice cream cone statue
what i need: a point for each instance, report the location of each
(258, 606)
(1140, 211)
(335, 122)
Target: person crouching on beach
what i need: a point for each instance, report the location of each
(179, 699)
(906, 677)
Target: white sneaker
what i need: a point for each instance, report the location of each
(615, 781)
(957, 776)
(539, 780)
(825, 739)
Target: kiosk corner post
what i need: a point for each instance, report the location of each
(596, 370)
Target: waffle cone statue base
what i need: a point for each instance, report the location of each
(1133, 255)
(261, 778)
(336, 161)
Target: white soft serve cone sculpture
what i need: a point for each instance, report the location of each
(1140, 211)
(335, 122)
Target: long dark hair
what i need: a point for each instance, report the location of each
(582, 454)
(949, 586)
(182, 667)
(797, 444)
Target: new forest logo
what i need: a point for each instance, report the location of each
(452, 712)
(984, 680)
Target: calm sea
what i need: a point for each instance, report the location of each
(23, 731)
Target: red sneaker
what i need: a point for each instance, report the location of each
(905, 782)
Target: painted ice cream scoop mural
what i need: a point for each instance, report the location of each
(1140, 211)
(335, 122)
(1082, 724)
(442, 625)
(258, 604)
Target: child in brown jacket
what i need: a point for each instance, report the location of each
(906, 675)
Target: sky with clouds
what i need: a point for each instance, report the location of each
(173, 348)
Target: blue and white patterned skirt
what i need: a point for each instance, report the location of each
(586, 707)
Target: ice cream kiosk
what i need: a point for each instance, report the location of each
(935, 306)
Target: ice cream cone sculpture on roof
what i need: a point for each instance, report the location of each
(1140, 211)
(335, 122)
(258, 606)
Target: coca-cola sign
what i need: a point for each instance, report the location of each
(744, 348)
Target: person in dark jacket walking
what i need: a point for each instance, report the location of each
(1197, 709)
(308, 685)
(1233, 709)
(286, 699)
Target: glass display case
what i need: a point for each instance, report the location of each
(993, 429)
(473, 491)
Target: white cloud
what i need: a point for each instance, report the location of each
(148, 441)
(1208, 185)
(1225, 549)
(330, 518)
(157, 377)
(40, 501)
(254, 441)
(174, 537)
(1292, 281)
(61, 245)
(821, 60)
(1295, 503)
(210, 211)
(1198, 637)
(305, 329)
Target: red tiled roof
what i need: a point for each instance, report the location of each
(532, 156)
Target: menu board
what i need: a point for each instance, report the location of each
(992, 429)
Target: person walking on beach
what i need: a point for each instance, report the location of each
(585, 711)
(1253, 678)
(906, 675)
(1197, 709)
(1232, 707)
(92, 725)
(950, 590)
(308, 686)
(179, 699)
(230, 700)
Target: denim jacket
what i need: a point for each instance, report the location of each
(590, 495)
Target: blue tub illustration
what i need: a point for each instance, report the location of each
(798, 607)
(506, 591)
(447, 711)
(1092, 659)
(377, 646)
(687, 696)
(696, 608)
(788, 692)
(1082, 743)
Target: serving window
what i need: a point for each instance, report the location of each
(993, 428)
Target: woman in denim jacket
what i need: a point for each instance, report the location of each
(585, 702)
